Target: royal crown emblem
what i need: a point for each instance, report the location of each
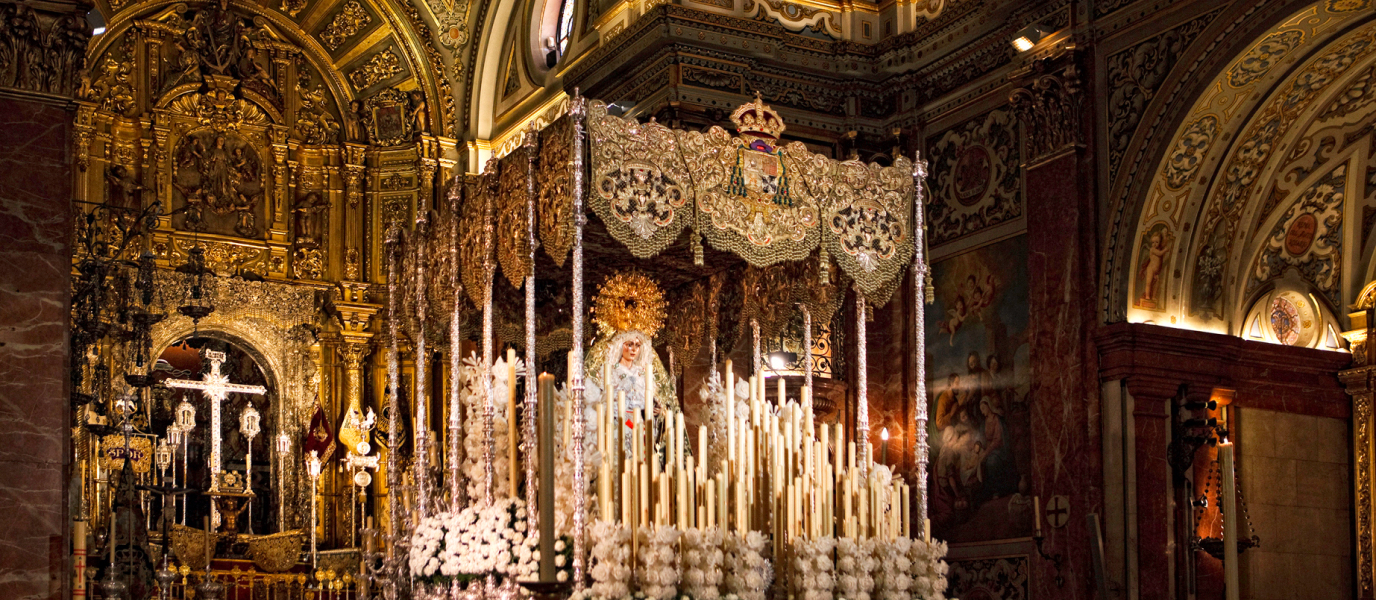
(758, 119)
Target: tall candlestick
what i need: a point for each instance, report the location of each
(1037, 515)
(546, 489)
(111, 545)
(511, 421)
(1230, 576)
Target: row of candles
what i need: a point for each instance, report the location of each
(778, 472)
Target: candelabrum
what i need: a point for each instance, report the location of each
(283, 455)
(185, 424)
(313, 468)
(249, 426)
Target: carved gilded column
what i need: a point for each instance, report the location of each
(1360, 382)
(355, 317)
(280, 199)
(353, 174)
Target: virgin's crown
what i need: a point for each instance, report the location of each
(758, 119)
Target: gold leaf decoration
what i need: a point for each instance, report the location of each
(629, 301)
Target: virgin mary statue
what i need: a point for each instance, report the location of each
(629, 311)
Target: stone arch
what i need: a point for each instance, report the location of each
(265, 320)
(1266, 142)
(487, 80)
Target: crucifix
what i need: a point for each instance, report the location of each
(216, 387)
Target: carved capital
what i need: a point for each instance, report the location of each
(353, 353)
(47, 46)
(1050, 106)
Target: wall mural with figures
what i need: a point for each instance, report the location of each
(978, 382)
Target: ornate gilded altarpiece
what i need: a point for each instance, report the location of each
(282, 143)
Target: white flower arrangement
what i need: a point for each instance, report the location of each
(658, 557)
(701, 561)
(713, 395)
(928, 569)
(813, 572)
(748, 572)
(472, 398)
(894, 578)
(855, 565)
(473, 542)
(563, 463)
(611, 555)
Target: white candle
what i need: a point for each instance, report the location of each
(1230, 576)
(510, 420)
(711, 503)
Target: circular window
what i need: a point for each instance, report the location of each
(565, 29)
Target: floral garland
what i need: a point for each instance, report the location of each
(748, 571)
(659, 565)
(813, 573)
(701, 561)
(611, 555)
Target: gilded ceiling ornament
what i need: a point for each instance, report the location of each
(386, 116)
(350, 19)
(629, 301)
(381, 67)
(293, 7)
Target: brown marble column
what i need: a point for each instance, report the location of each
(1061, 275)
(36, 114)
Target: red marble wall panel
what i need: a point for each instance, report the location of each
(1065, 394)
(35, 226)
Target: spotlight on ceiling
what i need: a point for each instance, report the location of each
(1028, 37)
(96, 21)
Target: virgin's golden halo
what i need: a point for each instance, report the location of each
(629, 301)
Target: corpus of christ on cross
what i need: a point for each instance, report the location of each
(216, 387)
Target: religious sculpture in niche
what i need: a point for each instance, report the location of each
(218, 176)
(123, 191)
(314, 123)
(219, 43)
(1152, 263)
(310, 220)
